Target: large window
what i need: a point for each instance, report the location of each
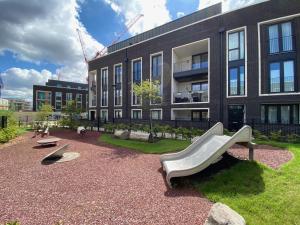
(280, 114)
(236, 46)
(79, 101)
(58, 99)
(118, 113)
(156, 114)
(157, 73)
(93, 89)
(104, 87)
(200, 61)
(136, 79)
(136, 114)
(237, 81)
(118, 85)
(43, 97)
(104, 114)
(280, 38)
(282, 76)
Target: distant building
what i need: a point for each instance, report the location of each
(18, 105)
(3, 104)
(57, 93)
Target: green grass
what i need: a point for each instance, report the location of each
(263, 196)
(162, 146)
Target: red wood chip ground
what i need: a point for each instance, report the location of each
(103, 186)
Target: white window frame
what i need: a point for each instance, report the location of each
(67, 97)
(115, 113)
(162, 73)
(136, 110)
(94, 73)
(189, 109)
(58, 101)
(114, 89)
(275, 20)
(102, 69)
(244, 28)
(78, 94)
(132, 61)
(208, 76)
(157, 109)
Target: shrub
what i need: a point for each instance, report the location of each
(12, 130)
(293, 138)
(109, 127)
(276, 135)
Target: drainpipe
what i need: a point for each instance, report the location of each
(221, 32)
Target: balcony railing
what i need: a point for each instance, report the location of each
(187, 65)
(190, 97)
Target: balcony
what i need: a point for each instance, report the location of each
(187, 70)
(191, 97)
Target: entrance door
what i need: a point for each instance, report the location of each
(92, 115)
(235, 117)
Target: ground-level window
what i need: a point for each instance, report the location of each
(136, 114)
(156, 114)
(79, 101)
(199, 115)
(118, 113)
(104, 114)
(280, 114)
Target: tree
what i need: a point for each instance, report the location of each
(149, 92)
(72, 113)
(45, 111)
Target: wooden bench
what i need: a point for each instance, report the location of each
(57, 154)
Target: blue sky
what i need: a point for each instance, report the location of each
(39, 41)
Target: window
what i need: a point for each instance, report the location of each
(237, 81)
(79, 101)
(236, 46)
(43, 97)
(69, 98)
(157, 73)
(199, 86)
(136, 114)
(280, 114)
(282, 76)
(104, 114)
(93, 89)
(118, 84)
(136, 79)
(280, 38)
(58, 98)
(118, 113)
(104, 87)
(87, 101)
(156, 114)
(200, 61)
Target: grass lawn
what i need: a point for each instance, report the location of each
(162, 146)
(263, 196)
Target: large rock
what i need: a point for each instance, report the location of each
(138, 135)
(122, 134)
(221, 214)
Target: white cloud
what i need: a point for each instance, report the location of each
(155, 13)
(227, 4)
(41, 32)
(180, 14)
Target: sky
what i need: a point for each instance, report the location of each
(39, 41)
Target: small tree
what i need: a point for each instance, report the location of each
(148, 91)
(71, 112)
(45, 111)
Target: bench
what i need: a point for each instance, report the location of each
(57, 154)
(49, 141)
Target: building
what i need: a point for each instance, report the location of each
(57, 93)
(232, 67)
(4, 105)
(18, 105)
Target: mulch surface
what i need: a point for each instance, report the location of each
(103, 186)
(271, 156)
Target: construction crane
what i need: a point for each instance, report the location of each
(1, 85)
(83, 51)
(118, 36)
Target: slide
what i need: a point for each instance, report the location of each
(204, 151)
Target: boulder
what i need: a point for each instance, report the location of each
(122, 134)
(221, 214)
(138, 135)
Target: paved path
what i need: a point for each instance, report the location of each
(103, 186)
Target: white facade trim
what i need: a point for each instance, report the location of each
(189, 109)
(132, 61)
(94, 73)
(114, 89)
(136, 110)
(162, 73)
(104, 68)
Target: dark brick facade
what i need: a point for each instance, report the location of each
(215, 29)
(64, 87)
